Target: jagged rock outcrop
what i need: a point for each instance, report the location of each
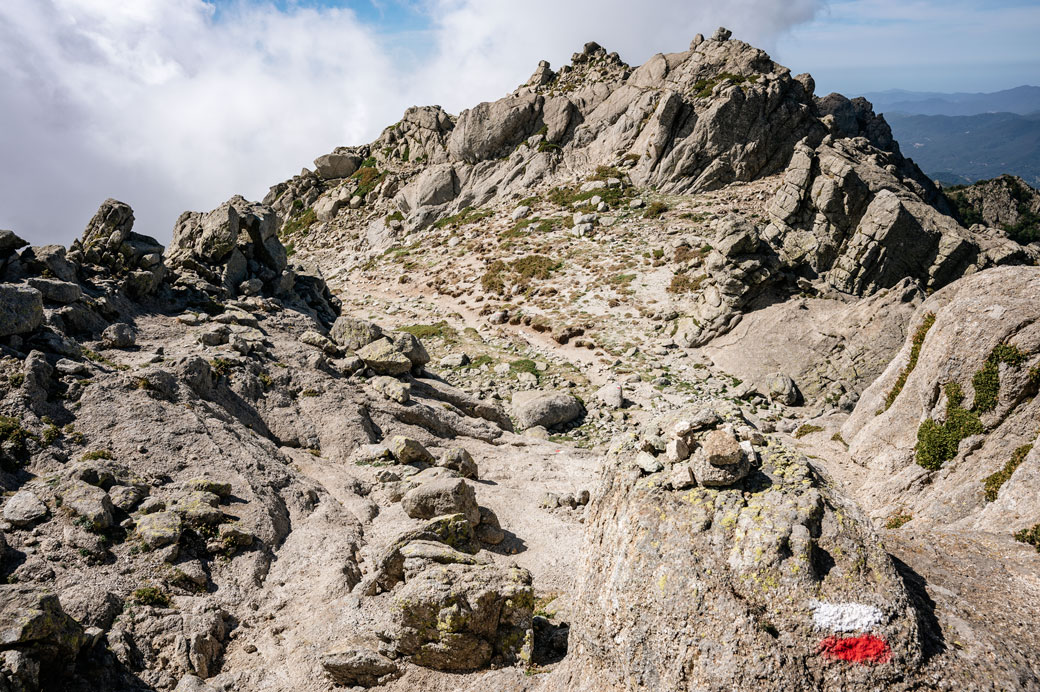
(758, 584)
(109, 241)
(947, 432)
(1007, 202)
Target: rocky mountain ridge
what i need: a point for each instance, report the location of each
(554, 394)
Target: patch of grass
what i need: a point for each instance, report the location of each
(836, 437)
(654, 210)
(396, 216)
(547, 147)
(309, 392)
(898, 519)
(937, 443)
(151, 596)
(265, 380)
(915, 353)
(465, 217)
(96, 357)
(1030, 536)
(441, 330)
(368, 177)
(221, 367)
(524, 365)
(14, 436)
(605, 173)
(98, 454)
(995, 481)
(684, 283)
(16, 379)
(484, 359)
(300, 223)
(807, 429)
(535, 266)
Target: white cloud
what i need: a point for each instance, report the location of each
(159, 104)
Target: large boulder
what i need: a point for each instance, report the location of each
(358, 667)
(24, 509)
(489, 129)
(545, 408)
(460, 618)
(33, 624)
(21, 309)
(738, 588)
(341, 163)
(442, 496)
(353, 333)
(383, 357)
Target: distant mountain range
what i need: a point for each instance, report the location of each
(1022, 100)
(961, 138)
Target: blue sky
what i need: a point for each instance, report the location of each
(171, 105)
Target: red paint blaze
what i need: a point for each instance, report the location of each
(865, 648)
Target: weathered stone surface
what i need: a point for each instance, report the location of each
(462, 617)
(33, 622)
(352, 333)
(545, 408)
(753, 567)
(408, 451)
(119, 335)
(383, 357)
(445, 496)
(972, 317)
(24, 509)
(338, 164)
(460, 461)
(159, 529)
(21, 309)
(88, 502)
(57, 291)
(358, 667)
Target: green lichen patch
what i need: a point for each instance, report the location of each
(994, 482)
(915, 353)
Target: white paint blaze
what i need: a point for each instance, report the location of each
(846, 617)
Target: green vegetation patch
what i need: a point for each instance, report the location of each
(898, 519)
(98, 454)
(987, 380)
(441, 330)
(937, 443)
(807, 429)
(520, 271)
(1030, 536)
(684, 283)
(151, 596)
(300, 223)
(995, 481)
(524, 365)
(655, 210)
(915, 353)
(465, 217)
(368, 177)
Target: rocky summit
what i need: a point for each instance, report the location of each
(668, 377)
